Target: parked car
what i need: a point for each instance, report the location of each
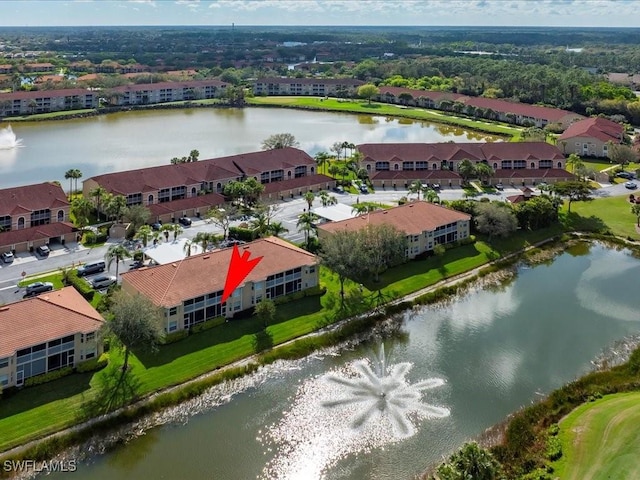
(7, 257)
(89, 268)
(43, 251)
(38, 287)
(103, 281)
(156, 226)
(436, 186)
(499, 186)
(338, 189)
(364, 189)
(186, 221)
(631, 185)
(231, 243)
(136, 264)
(626, 175)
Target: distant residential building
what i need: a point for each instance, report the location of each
(393, 165)
(490, 108)
(45, 333)
(45, 101)
(6, 69)
(189, 291)
(151, 93)
(424, 224)
(34, 215)
(590, 137)
(318, 87)
(37, 67)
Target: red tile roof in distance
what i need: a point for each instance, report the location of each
(46, 317)
(51, 230)
(318, 180)
(411, 218)
(208, 200)
(601, 128)
(33, 94)
(457, 151)
(31, 197)
(168, 285)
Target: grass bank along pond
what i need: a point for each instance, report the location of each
(473, 360)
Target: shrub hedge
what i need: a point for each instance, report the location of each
(94, 364)
(81, 285)
(47, 377)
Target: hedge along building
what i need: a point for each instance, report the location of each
(396, 165)
(190, 291)
(46, 333)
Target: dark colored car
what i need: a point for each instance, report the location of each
(38, 287)
(186, 221)
(89, 268)
(626, 175)
(156, 226)
(136, 264)
(338, 189)
(43, 251)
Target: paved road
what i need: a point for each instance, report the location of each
(73, 254)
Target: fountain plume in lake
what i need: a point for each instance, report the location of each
(363, 406)
(8, 139)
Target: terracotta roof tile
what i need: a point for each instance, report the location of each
(595, 127)
(168, 285)
(51, 230)
(31, 197)
(45, 317)
(208, 200)
(306, 181)
(411, 218)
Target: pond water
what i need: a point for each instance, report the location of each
(483, 355)
(128, 140)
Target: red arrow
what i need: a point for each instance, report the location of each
(239, 268)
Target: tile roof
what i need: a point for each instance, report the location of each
(595, 127)
(306, 181)
(457, 151)
(547, 173)
(208, 200)
(193, 173)
(168, 285)
(414, 175)
(411, 218)
(164, 85)
(46, 317)
(51, 230)
(33, 94)
(31, 197)
(310, 81)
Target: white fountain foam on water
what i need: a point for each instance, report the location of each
(362, 406)
(8, 139)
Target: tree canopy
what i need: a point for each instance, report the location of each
(279, 140)
(494, 219)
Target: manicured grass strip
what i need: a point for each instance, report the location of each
(55, 278)
(47, 116)
(361, 106)
(601, 440)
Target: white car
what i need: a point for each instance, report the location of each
(7, 257)
(103, 281)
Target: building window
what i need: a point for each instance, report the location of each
(134, 199)
(40, 217)
(150, 200)
(5, 223)
(90, 336)
(173, 326)
(61, 215)
(4, 362)
(193, 191)
(382, 166)
(173, 311)
(4, 380)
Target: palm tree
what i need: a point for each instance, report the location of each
(277, 229)
(322, 159)
(68, 175)
(98, 195)
(484, 171)
(166, 229)
(260, 223)
(115, 207)
(76, 175)
(430, 195)
(193, 155)
(117, 253)
(466, 169)
(187, 247)
(306, 222)
(364, 207)
(309, 197)
(204, 239)
(575, 162)
(144, 233)
(177, 230)
(416, 187)
(81, 208)
(156, 236)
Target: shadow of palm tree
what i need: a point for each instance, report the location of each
(117, 389)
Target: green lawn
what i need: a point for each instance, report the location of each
(48, 116)
(609, 213)
(374, 108)
(601, 440)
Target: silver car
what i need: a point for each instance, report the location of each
(103, 281)
(38, 287)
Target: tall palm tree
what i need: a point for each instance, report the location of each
(204, 239)
(187, 247)
(166, 229)
(177, 230)
(484, 171)
(98, 194)
(466, 169)
(260, 223)
(430, 195)
(116, 253)
(306, 222)
(68, 175)
(416, 187)
(309, 197)
(144, 233)
(115, 206)
(76, 175)
(364, 207)
(322, 159)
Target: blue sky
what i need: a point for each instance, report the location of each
(610, 13)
